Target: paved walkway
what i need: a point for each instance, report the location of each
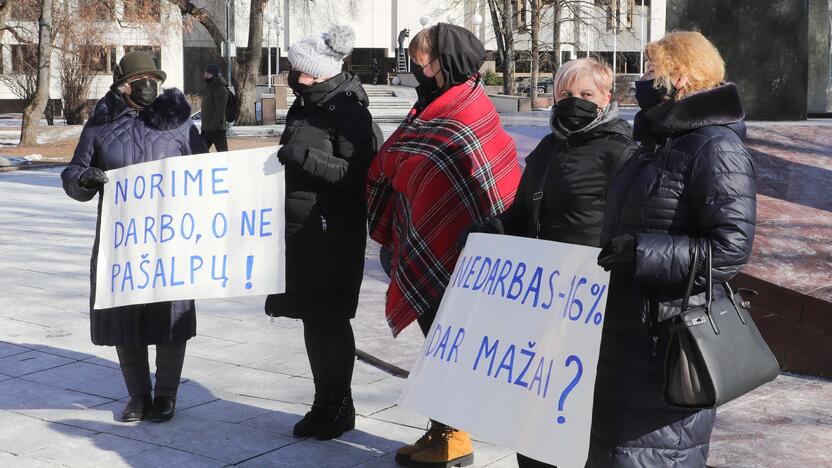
(246, 380)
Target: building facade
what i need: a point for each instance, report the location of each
(117, 29)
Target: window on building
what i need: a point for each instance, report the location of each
(264, 60)
(154, 51)
(143, 10)
(96, 10)
(102, 59)
(25, 10)
(24, 58)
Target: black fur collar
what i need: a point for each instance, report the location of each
(717, 106)
(168, 111)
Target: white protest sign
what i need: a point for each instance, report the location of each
(192, 227)
(512, 353)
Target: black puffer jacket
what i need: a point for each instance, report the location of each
(571, 174)
(326, 215)
(117, 136)
(690, 183)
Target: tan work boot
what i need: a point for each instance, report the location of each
(403, 454)
(449, 447)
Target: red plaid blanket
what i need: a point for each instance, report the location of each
(440, 171)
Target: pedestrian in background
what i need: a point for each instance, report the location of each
(327, 149)
(131, 125)
(214, 103)
(562, 192)
(689, 187)
(449, 164)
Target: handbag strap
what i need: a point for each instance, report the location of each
(709, 284)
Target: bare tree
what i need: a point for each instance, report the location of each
(5, 8)
(34, 110)
(248, 65)
(535, 47)
(502, 19)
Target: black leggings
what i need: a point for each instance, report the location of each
(330, 345)
(136, 369)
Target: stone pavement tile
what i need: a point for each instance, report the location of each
(293, 390)
(387, 461)
(86, 378)
(51, 317)
(22, 395)
(486, 453)
(376, 437)
(398, 415)
(814, 390)
(100, 418)
(32, 361)
(210, 348)
(191, 394)
(112, 451)
(281, 417)
(13, 459)
(240, 380)
(307, 453)
(285, 358)
(230, 443)
(374, 397)
(21, 333)
(509, 461)
(197, 368)
(38, 434)
(782, 431)
(10, 349)
(226, 410)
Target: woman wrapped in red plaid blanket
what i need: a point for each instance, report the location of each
(449, 164)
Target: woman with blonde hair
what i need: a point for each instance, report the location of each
(687, 191)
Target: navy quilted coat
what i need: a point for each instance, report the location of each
(118, 136)
(690, 183)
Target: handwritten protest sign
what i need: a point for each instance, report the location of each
(511, 355)
(192, 227)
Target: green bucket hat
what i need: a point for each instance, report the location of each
(135, 64)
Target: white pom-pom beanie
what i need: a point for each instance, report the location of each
(322, 55)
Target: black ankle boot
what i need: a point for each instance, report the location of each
(137, 408)
(340, 422)
(163, 409)
(308, 425)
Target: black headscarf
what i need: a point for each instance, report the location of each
(460, 54)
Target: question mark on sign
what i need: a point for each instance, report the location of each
(572, 384)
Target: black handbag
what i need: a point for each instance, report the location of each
(714, 352)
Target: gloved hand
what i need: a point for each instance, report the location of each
(291, 154)
(492, 226)
(618, 253)
(92, 178)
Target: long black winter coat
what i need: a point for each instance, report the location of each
(326, 215)
(117, 136)
(573, 173)
(690, 183)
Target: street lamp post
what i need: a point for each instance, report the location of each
(641, 51)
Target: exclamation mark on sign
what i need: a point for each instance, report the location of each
(249, 264)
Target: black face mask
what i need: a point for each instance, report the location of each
(575, 113)
(648, 96)
(208, 80)
(295, 84)
(427, 85)
(143, 91)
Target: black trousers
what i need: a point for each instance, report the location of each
(216, 138)
(136, 369)
(330, 346)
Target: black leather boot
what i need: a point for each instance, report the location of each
(163, 409)
(137, 408)
(308, 425)
(340, 422)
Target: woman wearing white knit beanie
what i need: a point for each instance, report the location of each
(327, 148)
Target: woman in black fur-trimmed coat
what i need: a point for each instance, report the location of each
(131, 125)
(690, 185)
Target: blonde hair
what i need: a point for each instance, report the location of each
(689, 54)
(600, 73)
(423, 44)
